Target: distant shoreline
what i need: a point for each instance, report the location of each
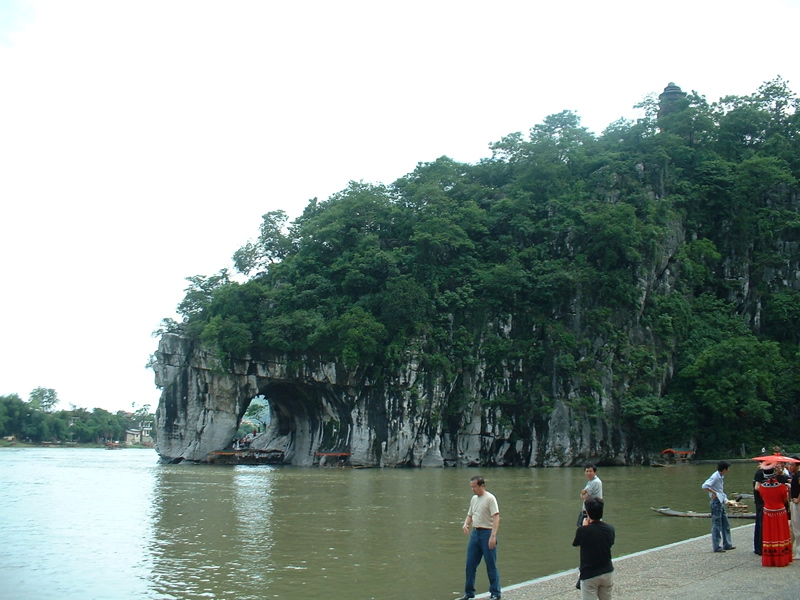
(26, 445)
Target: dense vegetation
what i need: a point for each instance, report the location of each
(664, 250)
(36, 421)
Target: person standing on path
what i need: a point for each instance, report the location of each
(593, 490)
(760, 476)
(595, 539)
(794, 507)
(484, 518)
(776, 538)
(720, 526)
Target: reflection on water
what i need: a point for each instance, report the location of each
(196, 534)
(81, 524)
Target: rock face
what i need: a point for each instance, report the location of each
(410, 417)
(319, 408)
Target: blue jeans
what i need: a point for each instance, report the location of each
(720, 527)
(477, 549)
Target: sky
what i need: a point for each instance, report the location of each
(141, 141)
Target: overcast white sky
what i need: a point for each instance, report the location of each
(140, 142)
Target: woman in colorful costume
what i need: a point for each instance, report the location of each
(776, 538)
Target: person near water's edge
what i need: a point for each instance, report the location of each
(593, 490)
(720, 526)
(759, 478)
(776, 539)
(794, 506)
(595, 539)
(484, 518)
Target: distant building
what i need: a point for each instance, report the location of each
(669, 101)
(141, 434)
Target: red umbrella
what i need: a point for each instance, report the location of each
(776, 458)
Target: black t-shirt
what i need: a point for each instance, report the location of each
(595, 540)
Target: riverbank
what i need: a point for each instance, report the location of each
(687, 569)
(19, 445)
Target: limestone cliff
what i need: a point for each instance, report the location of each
(322, 408)
(411, 417)
(561, 409)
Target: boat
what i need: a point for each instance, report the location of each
(666, 510)
(670, 457)
(247, 456)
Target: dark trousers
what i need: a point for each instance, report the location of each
(757, 531)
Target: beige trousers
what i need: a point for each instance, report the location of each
(794, 525)
(597, 588)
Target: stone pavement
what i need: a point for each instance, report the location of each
(685, 570)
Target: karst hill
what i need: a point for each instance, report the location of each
(571, 297)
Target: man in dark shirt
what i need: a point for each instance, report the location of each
(595, 539)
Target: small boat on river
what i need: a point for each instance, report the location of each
(246, 456)
(666, 510)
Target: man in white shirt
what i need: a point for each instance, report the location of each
(720, 526)
(593, 490)
(484, 518)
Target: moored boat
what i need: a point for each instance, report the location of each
(246, 457)
(666, 510)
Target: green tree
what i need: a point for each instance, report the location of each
(782, 316)
(734, 382)
(13, 415)
(272, 245)
(229, 334)
(357, 337)
(200, 293)
(697, 261)
(44, 399)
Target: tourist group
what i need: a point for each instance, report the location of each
(776, 537)
(593, 536)
(776, 492)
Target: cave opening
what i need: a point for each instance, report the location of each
(279, 407)
(301, 422)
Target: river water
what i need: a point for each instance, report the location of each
(92, 523)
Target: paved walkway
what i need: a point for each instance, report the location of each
(683, 571)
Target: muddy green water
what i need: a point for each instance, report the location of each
(82, 524)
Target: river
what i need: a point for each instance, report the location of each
(95, 523)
